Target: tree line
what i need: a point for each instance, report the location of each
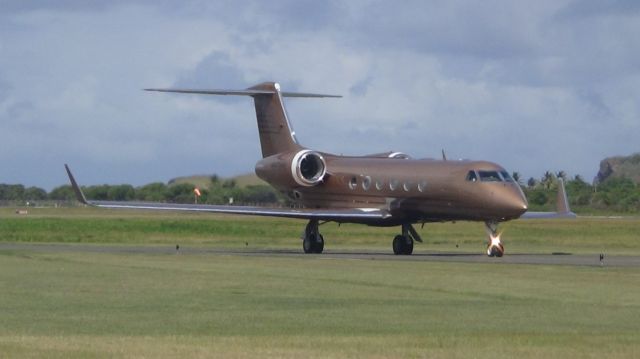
(613, 194)
(216, 192)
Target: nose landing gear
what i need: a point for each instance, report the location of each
(494, 247)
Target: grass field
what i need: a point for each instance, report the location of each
(75, 304)
(89, 225)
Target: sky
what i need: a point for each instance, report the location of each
(532, 85)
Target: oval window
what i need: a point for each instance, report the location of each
(379, 184)
(406, 186)
(353, 183)
(366, 183)
(422, 186)
(393, 184)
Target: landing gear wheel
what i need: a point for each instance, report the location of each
(313, 243)
(408, 249)
(496, 250)
(319, 245)
(397, 244)
(402, 245)
(312, 240)
(308, 244)
(494, 247)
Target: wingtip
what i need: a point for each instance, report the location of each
(562, 201)
(74, 185)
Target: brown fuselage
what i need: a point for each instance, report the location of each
(423, 190)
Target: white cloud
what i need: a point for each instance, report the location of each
(534, 86)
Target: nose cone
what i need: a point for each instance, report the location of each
(513, 202)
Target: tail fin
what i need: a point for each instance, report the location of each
(276, 133)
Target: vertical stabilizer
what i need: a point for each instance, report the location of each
(274, 128)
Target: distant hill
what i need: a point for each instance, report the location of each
(202, 181)
(620, 166)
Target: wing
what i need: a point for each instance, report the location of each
(338, 215)
(562, 206)
(547, 215)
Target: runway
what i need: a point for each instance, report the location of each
(566, 259)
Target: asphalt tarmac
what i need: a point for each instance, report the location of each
(566, 259)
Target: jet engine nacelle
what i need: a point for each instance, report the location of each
(303, 168)
(308, 168)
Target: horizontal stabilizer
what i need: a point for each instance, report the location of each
(248, 92)
(217, 92)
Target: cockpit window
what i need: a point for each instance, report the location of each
(489, 176)
(506, 176)
(471, 176)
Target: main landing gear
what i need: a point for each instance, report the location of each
(494, 246)
(403, 243)
(312, 240)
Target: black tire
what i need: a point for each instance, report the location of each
(319, 244)
(496, 251)
(398, 244)
(500, 251)
(308, 244)
(408, 246)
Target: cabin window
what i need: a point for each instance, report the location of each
(353, 183)
(393, 184)
(366, 183)
(379, 184)
(422, 185)
(472, 176)
(406, 186)
(506, 176)
(489, 176)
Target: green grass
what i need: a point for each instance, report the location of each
(84, 304)
(88, 225)
(92, 305)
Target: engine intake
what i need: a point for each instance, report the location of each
(308, 168)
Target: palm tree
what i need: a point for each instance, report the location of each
(531, 183)
(548, 179)
(516, 177)
(562, 174)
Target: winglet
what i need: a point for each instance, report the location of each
(79, 195)
(444, 155)
(562, 202)
(562, 207)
